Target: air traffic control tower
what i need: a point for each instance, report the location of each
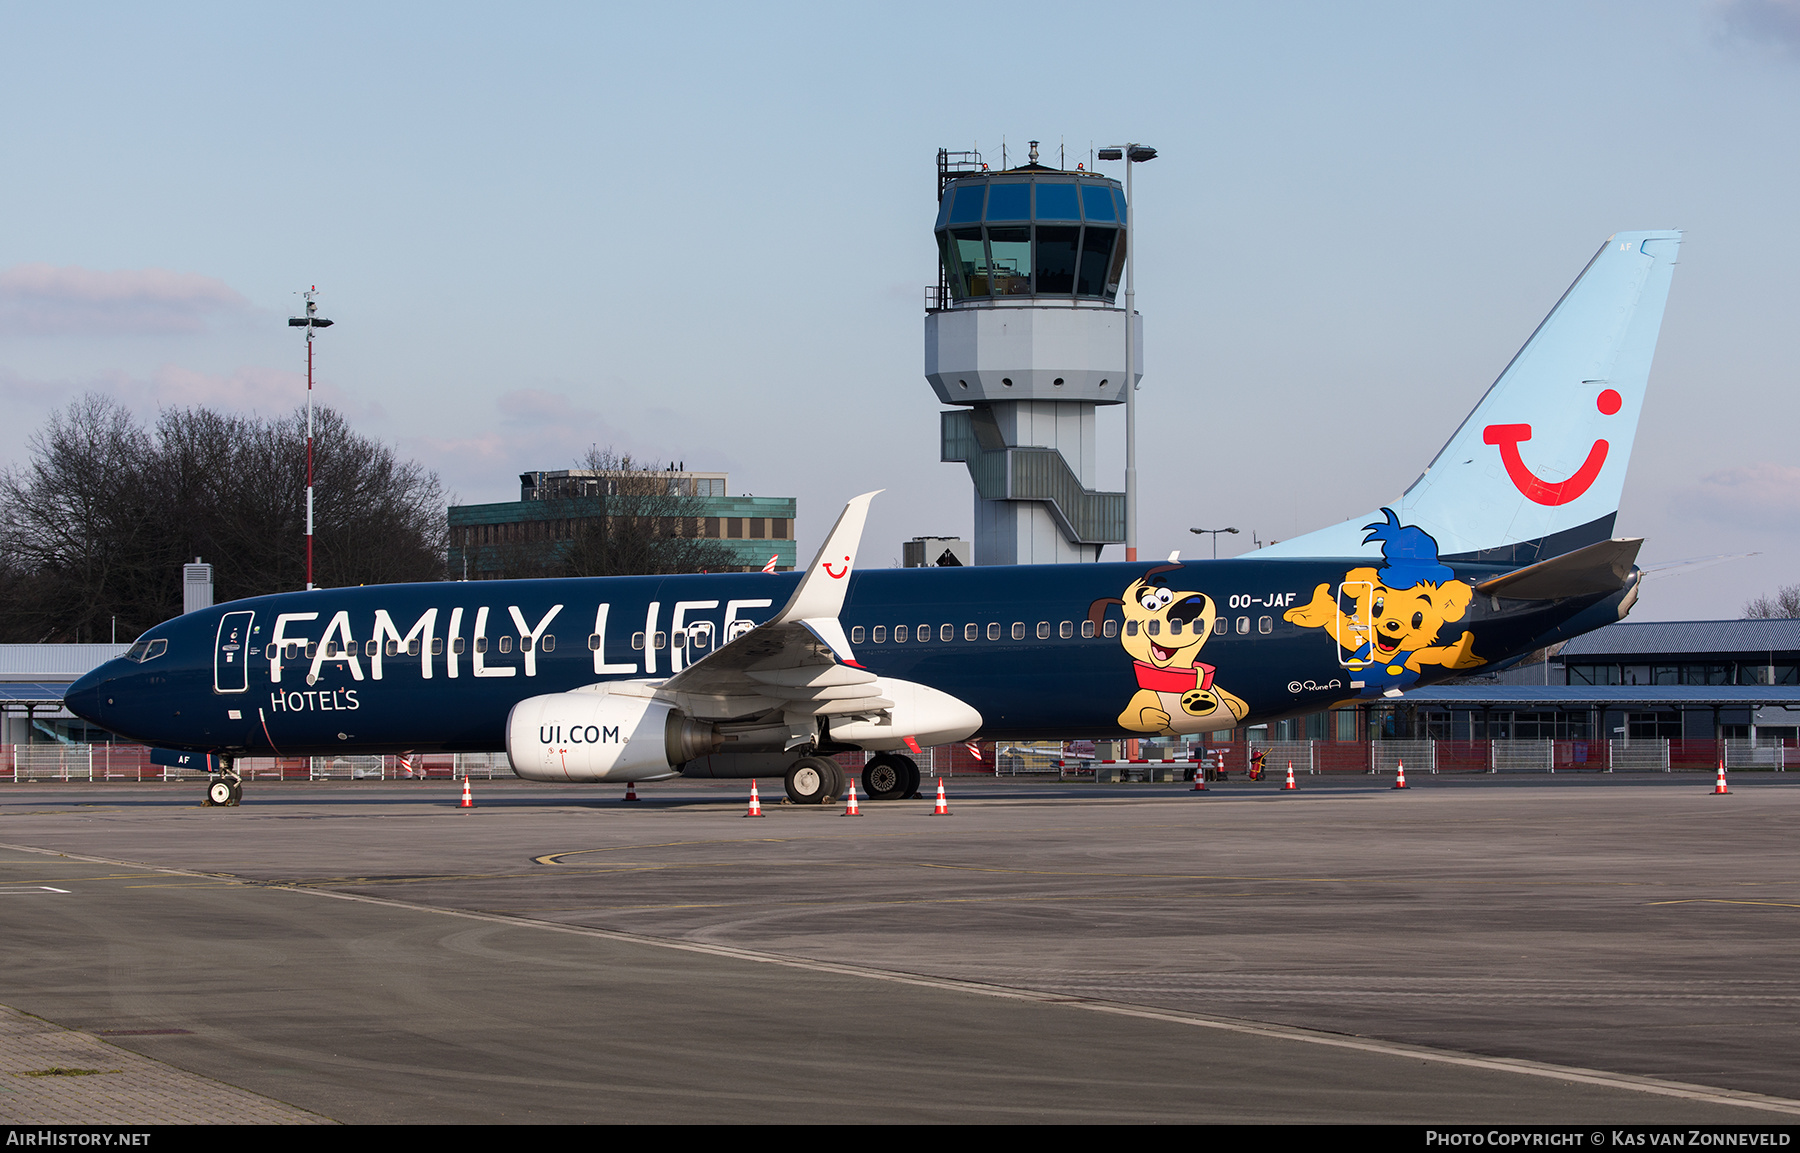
(1023, 337)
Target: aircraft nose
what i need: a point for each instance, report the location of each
(84, 698)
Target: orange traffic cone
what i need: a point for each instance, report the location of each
(631, 790)
(1200, 778)
(1719, 789)
(942, 809)
(755, 802)
(468, 801)
(1290, 786)
(1400, 780)
(850, 810)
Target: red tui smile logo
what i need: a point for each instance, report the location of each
(1508, 437)
(838, 576)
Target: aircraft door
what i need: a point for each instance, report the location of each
(231, 664)
(1355, 600)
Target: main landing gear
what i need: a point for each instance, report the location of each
(814, 781)
(226, 789)
(890, 777)
(821, 780)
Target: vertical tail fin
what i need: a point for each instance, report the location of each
(1536, 470)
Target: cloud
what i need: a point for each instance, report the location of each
(40, 300)
(1763, 495)
(1770, 23)
(245, 389)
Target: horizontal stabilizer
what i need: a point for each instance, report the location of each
(1598, 568)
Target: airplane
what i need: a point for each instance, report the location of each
(1502, 545)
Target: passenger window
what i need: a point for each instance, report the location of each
(856, 635)
(459, 646)
(1066, 630)
(660, 641)
(900, 632)
(548, 644)
(370, 648)
(1221, 627)
(1154, 628)
(1265, 624)
(393, 648)
(637, 641)
(1131, 628)
(947, 632)
(881, 634)
(923, 633)
(594, 643)
(681, 638)
(524, 645)
(1111, 629)
(1087, 629)
(312, 649)
(1018, 630)
(437, 646)
(993, 630)
(481, 644)
(971, 632)
(506, 644)
(412, 648)
(1243, 626)
(1043, 630)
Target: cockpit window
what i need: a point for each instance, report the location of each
(147, 650)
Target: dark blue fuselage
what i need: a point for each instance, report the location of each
(1039, 651)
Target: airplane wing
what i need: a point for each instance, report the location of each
(800, 662)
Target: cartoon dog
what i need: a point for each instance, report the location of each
(1164, 632)
(1401, 608)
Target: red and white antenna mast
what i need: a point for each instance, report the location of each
(311, 321)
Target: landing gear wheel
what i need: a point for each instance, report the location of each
(884, 778)
(237, 791)
(912, 776)
(814, 781)
(220, 793)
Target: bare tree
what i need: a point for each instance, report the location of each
(1785, 604)
(99, 522)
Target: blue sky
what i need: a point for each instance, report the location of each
(702, 232)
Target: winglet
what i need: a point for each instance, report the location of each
(821, 592)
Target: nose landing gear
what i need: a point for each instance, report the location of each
(225, 790)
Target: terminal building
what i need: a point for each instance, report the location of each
(1656, 681)
(555, 508)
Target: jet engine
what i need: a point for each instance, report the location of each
(587, 736)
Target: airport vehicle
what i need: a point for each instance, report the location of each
(1501, 546)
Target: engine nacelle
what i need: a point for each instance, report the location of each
(589, 736)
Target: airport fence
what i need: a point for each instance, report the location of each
(1063, 759)
(21, 764)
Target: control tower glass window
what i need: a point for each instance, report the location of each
(967, 267)
(1056, 249)
(966, 209)
(1011, 255)
(1097, 200)
(1009, 202)
(1096, 250)
(1057, 202)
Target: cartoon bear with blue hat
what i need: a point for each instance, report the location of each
(1400, 609)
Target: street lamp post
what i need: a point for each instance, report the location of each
(310, 322)
(1214, 533)
(1131, 154)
